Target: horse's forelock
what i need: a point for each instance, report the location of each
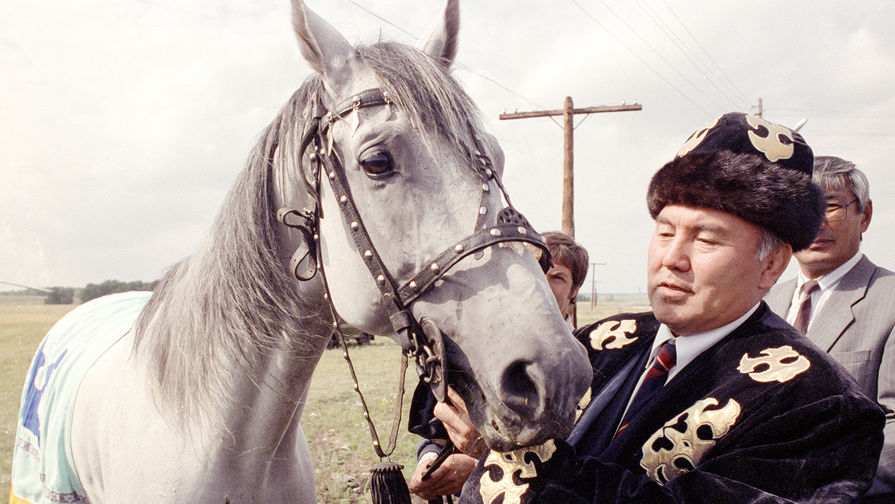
(433, 101)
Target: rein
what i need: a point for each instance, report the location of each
(420, 339)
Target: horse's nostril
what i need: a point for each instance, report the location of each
(519, 390)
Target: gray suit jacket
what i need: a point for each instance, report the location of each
(856, 325)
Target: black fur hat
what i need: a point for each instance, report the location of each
(749, 167)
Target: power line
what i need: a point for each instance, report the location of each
(858, 149)
(377, 16)
(657, 53)
(456, 63)
(620, 41)
(687, 52)
(498, 84)
(852, 133)
(837, 113)
(709, 56)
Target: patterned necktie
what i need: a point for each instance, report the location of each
(803, 317)
(653, 381)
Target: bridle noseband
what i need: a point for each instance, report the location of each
(421, 339)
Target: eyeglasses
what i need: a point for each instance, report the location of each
(837, 210)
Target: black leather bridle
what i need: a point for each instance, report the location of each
(420, 338)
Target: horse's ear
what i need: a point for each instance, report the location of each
(441, 40)
(322, 46)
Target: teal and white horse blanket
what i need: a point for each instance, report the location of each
(43, 469)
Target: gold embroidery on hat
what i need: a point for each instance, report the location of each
(614, 332)
(509, 463)
(771, 145)
(697, 137)
(778, 364)
(680, 444)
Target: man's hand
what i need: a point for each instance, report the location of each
(455, 417)
(447, 479)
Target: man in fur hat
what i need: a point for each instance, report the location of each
(711, 397)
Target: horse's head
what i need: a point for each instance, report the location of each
(412, 160)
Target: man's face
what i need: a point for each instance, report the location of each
(838, 240)
(559, 276)
(703, 270)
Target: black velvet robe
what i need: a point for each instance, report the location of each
(761, 416)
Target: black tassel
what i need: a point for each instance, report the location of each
(387, 484)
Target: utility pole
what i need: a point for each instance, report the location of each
(568, 112)
(760, 108)
(593, 283)
(568, 161)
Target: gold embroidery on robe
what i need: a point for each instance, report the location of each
(680, 444)
(613, 335)
(510, 463)
(777, 364)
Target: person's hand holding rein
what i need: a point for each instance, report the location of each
(446, 480)
(455, 417)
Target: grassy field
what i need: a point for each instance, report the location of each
(23, 322)
(611, 304)
(333, 419)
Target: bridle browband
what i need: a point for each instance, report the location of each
(420, 339)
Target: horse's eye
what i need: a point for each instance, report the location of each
(377, 164)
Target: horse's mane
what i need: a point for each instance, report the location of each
(214, 313)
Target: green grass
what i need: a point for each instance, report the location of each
(333, 418)
(23, 322)
(334, 425)
(610, 305)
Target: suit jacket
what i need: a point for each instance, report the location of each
(856, 325)
(761, 416)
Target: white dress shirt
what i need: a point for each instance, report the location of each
(687, 348)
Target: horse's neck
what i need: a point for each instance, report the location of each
(231, 336)
(247, 377)
(268, 402)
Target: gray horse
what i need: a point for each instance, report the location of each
(195, 393)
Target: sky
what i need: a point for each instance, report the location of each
(123, 123)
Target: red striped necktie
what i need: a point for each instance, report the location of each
(803, 317)
(653, 381)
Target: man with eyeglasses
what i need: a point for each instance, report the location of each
(846, 304)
